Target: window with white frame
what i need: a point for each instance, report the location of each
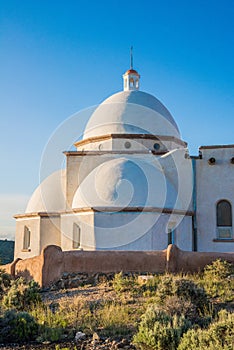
(224, 219)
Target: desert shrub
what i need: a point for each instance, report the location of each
(5, 281)
(52, 324)
(218, 280)
(219, 335)
(175, 305)
(107, 318)
(22, 295)
(17, 327)
(123, 283)
(165, 288)
(79, 314)
(192, 292)
(218, 270)
(158, 330)
(50, 334)
(181, 295)
(113, 319)
(69, 316)
(150, 286)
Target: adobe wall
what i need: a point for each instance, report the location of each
(183, 261)
(30, 268)
(49, 267)
(9, 268)
(114, 261)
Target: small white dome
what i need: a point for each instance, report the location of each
(49, 196)
(132, 112)
(122, 183)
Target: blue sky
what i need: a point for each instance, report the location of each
(58, 57)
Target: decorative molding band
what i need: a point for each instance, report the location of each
(37, 214)
(129, 136)
(106, 210)
(96, 153)
(130, 210)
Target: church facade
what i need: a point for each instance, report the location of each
(132, 185)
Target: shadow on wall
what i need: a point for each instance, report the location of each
(49, 267)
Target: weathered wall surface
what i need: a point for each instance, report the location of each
(214, 182)
(114, 261)
(184, 261)
(30, 268)
(48, 267)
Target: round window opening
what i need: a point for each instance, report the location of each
(127, 144)
(156, 146)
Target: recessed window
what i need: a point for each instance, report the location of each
(224, 219)
(156, 146)
(76, 236)
(171, 233)
(127, 144)
(26, 241)
(212, 161)
(170, 237)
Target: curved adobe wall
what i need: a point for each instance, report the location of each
(183, 261)
(48, 267)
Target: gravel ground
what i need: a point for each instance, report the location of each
(86, 344)
(87, 293)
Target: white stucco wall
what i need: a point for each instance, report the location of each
(33, 223)
(50, 231)
(86, 223)
(140, 231)
(183, 236)
(213, 182)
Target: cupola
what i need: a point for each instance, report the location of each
(131, 80)
(131, 77)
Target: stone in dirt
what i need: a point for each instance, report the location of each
(96, 337)
(79, 336)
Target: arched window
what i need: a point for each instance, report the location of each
(131, 82)
(224, 219)
(76, 236)
(26, 242)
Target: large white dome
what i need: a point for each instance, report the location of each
(124, 182)
(50, 195)
(131, 112)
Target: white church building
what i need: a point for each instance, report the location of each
(132, 185)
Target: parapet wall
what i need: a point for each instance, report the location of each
(49, 267)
